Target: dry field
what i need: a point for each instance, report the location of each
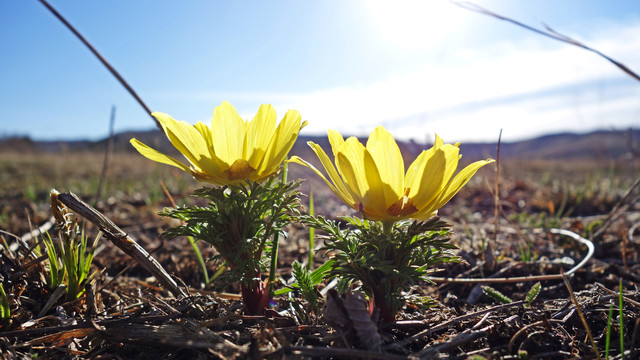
(126, 314)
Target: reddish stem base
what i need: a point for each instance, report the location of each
(385, 312)
(255, 297)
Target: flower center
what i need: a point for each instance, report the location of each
(239, 170)
(403, 207)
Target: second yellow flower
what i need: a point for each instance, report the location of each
(371, 179)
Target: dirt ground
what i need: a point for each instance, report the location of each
(127, 314)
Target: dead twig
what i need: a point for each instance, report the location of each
(22, 240)
(615, 293)
(323, 352)
(122, 241)
(102, 60)
(447, 324)
(550, 33)
(464, 337)
(582, 318)
(107, 154)
(496, 196)
(580, 239)
(615, 213)
(545, 323)
(634, 337)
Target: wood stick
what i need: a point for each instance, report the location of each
(123, 241)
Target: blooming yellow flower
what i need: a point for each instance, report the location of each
(372, 179)
(232, 150)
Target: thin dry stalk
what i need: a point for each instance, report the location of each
(616, 293)
(102, 60)
(166, 192)
(615, 211)
(447, 324)
(321, 352)
(107, 154)
(580, 239)
(526, 328)
(465, 337)
(582, 318)
(548, 33)
(634, 337)
(22, 240)
(496, 195)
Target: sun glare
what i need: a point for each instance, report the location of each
(414, 24)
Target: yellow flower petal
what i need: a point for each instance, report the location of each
(210, 164)
(259, 133)
(350, 165)
(205, 132)
(213, 178)
(431, 172)
(370, 179)
(388, 159)
(403, 208)
(459, 181)
(155, 155)
(228, 133)
(336, 140)
(283, 139)
(340, 188)
(231, 150)
(346, 199)
(362, 179)
(184, 137)
(452, 188)
(375, 199)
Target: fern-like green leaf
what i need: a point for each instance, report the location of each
(533, 293)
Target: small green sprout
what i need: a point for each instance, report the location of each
(71, 256)
(306, 286)
(496, 295)
(533, 293)
(5, 310)
(608, 338)
(621, 319)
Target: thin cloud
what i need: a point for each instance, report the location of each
(532, 87)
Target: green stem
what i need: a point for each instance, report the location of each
(274, 245)
(311, 233)
(387, 226)
(274, 263)
(621, 319)
(200, 259)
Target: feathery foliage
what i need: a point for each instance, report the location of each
(238, 222)
(385, 264)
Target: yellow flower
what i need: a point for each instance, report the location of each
(232, 150)
(372, 179)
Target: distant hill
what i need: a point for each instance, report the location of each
(603, 144)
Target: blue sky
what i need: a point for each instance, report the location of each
(416, 67)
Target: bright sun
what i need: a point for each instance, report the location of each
(414, 24)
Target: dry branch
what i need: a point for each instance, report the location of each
(102, 60)
(122, 241)
(548, 33)
(576, 237)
